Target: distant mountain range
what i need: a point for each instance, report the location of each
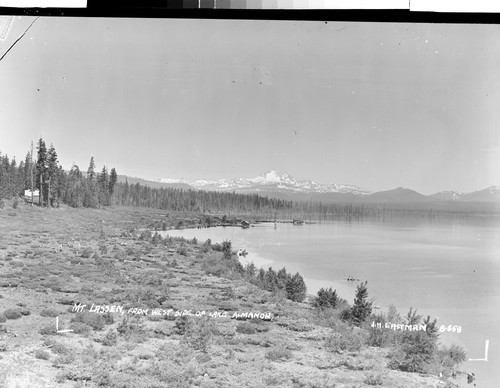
(281, 185)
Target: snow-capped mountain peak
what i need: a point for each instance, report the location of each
(280, 177)
(273, 176)
(272, 180)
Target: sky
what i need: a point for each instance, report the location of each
(377, 105)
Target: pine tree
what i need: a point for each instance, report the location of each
(261, 278)
(283, 277)
(361, 308)
(103, 184)
(53, 176)
(27, 171)
(90, 195)
(125, 195)
(271, 280)
(75, 191)
(91, 169)
(113, 178)
(296, 288)
(41, 170)
(326, 298)
(250, 271)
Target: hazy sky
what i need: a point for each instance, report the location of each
(378, 105)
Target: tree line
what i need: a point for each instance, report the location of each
(196, 200)
(42, 172)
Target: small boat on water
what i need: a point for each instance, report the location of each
(245, 224)
(351, 279)
(242, 252)
(296, 221)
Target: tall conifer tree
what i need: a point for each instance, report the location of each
(361, 308)
(41, 170)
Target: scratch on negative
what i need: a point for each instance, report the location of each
(18, 39)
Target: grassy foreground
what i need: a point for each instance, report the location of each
(51, 260)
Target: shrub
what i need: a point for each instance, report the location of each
(226, 249)
(228, 293)
(42, 354)
(373, 379)
(80, 328)
(49, 312)
(345, 339)
(220, 267)
(68, 358)
(25, 311)
(181, 325)
(12, 314)
(132, 329)
(182, 251)
(95, 321)
(86, 253)
(156, 238)
(326, 298)
(415, 351)
(48, 330)
(451, 357)
(379, 336)
(111, 339)
(279, 353)
(60, 349)
(3, 318)
(203, 357)
(199, 333)
(245, 328)
(103, 249)
(145, 235)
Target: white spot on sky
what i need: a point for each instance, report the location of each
(426, 41)
(436, 52)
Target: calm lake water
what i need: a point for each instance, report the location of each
(449, 269)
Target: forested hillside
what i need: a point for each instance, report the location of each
(94, 188)
(79, 188)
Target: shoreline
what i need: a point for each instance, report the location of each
(115, 263)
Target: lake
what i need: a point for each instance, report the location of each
(447, 268)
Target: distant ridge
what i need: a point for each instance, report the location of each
(282, 185)
(490, 194)
(399, 194)
(151, 183)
